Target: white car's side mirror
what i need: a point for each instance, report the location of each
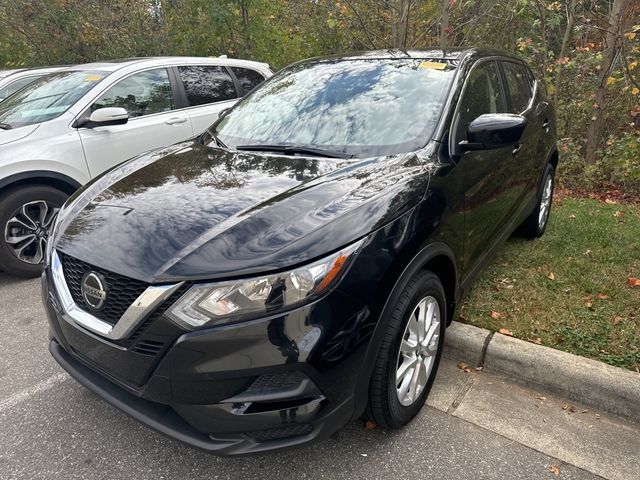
(108, 116)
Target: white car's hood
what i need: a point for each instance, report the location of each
(8, 136)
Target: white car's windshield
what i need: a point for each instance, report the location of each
(47, 98)
(353, 107)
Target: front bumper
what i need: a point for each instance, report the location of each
(165, 420)
(254, 386)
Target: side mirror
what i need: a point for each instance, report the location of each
(103, 117)
(494, 130)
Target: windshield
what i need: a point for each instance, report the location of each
(355, 107)
(47, 98)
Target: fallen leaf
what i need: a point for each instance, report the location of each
(537, 341)
(541, 397)
(479, 369)
(589, 304)
(551, 276)
(363, 454)
(584, 411)
(610, 202)
(618, 214)
(572, 216)
(603, 296)
(555, 469)
(633, 282)
(464, 367)
(369, 425)
(506, 331)
(616, 320)
(588, 253)
(495, 315)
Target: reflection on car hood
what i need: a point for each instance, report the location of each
(15, 134)
(194, 212)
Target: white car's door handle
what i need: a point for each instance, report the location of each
(176, 120)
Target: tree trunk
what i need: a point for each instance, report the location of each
(444, 25)
(545, 50)
(400, 26)
(613, 45)
(244, 9)
(571, 10)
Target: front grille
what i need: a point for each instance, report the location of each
(121, 291)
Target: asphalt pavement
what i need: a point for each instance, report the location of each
(476, 426)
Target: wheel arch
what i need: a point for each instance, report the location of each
(553, 159)
(436, 257)
(41, 177)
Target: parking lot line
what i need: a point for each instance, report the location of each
(27, 393)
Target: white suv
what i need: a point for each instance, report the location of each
(64, 129)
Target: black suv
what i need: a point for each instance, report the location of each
(296, 265)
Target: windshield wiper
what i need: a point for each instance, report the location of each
(5, 126)
(294, 149)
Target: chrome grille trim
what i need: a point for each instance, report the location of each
(147, 302)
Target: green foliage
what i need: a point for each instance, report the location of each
(47, 32)
(587, 306)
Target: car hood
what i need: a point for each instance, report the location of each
(193, 212)
(15, 134)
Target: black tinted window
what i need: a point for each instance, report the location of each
(249, 79)
(519, 85)
(207, 84)
(482, 95)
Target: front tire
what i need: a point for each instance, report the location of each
(410, 353)
(26, 214)
(535, 224)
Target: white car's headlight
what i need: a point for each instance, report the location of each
(222, 302)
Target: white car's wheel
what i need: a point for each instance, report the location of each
(26, 215)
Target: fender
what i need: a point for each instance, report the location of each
(34, 175)
(415, 264)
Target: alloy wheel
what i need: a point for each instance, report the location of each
(27, 231)
(545, 202)
(418, 349)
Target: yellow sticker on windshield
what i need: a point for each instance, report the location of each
(92, 78)
(433, 65)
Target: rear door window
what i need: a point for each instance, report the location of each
(248, 79)
(205, 84)
(519, 85)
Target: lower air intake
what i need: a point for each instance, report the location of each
(278, 433)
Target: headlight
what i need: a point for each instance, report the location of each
(219, 303)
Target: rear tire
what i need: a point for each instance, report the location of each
(408, 352)
(535, 224)
(26, 213)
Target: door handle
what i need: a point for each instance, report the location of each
(516, 148)
(176, 120)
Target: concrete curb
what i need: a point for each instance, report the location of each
(611, 389)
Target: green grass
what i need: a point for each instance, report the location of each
(591, 248)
